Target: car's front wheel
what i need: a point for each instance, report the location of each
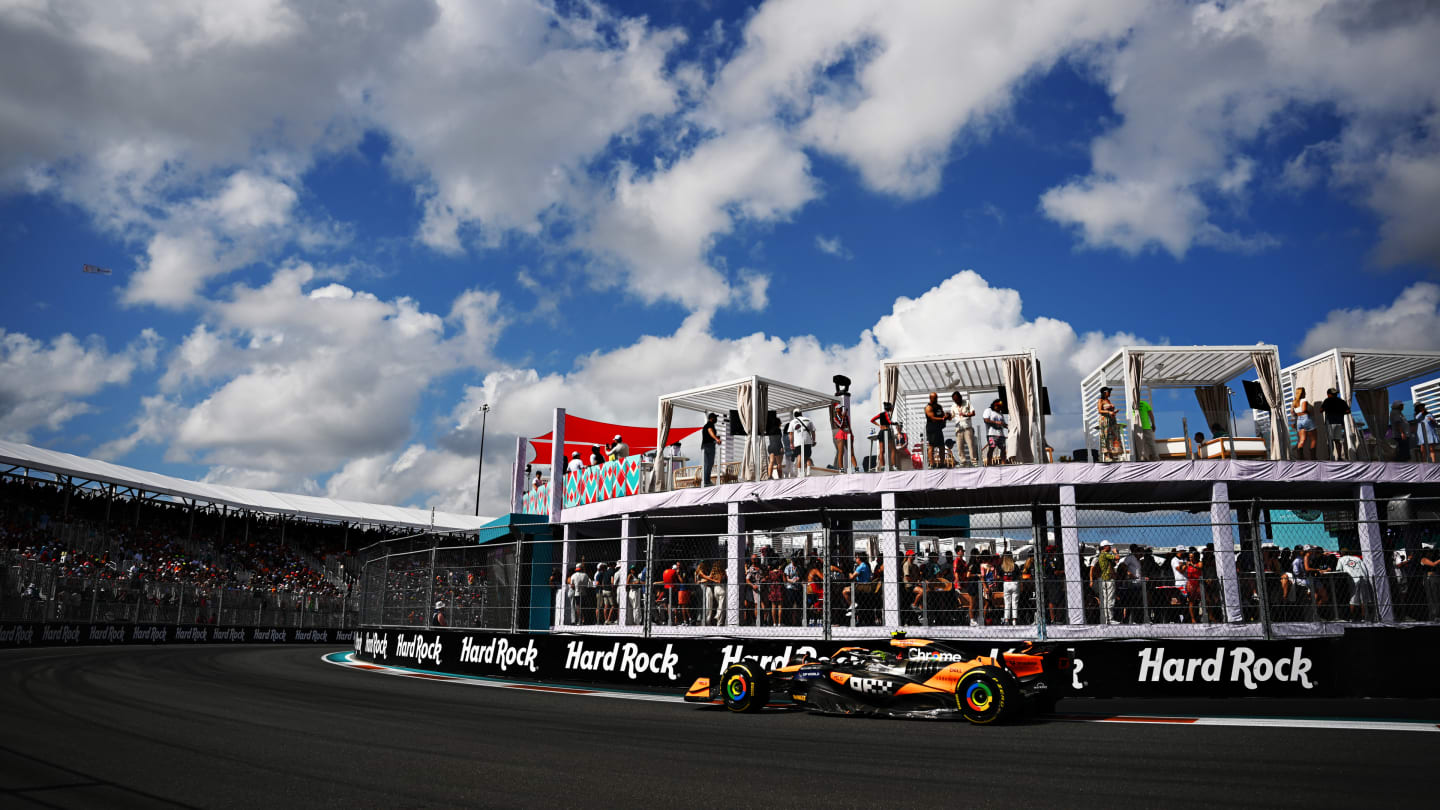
(744, 687)
(987, 695)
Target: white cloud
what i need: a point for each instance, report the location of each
(306, 378)
(1411, 321)
(1198, 89)
(889, 88)
(660, 227)
(498, 108)
(832, 246)
(44, 385)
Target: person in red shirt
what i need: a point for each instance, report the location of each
(885, 434)
(1194, 574)
(670, 577)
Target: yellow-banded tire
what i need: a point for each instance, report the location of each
(744, 687)
(987, 695)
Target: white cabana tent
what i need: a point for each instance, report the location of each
(752, 396)
(1364, 375)
(24, 457)
(908, 382)
(1134, 371)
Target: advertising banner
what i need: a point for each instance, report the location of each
(67, 634)
(1324, 667)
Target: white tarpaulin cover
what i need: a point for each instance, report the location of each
(306, 506)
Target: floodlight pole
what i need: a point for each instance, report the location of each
(480, 474)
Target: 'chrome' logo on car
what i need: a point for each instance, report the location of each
(942, 657)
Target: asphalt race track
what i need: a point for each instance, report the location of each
(275, 726)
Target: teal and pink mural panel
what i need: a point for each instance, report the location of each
(613, 479)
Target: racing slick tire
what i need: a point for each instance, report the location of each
(744, 687)
(987, 695)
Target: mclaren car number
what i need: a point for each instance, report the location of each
(871, 686)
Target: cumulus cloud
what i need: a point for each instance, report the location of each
(1199, 87)
(661, 226)
(295, 378)
(1411, 321)
(45, 384)
(498, 108)
(890, 88)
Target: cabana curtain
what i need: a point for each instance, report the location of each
(1135, 368)
(1347, 386)
(1268, 371)
(662, 435)
(1375, 405)
(890, 385)
(1215, 404)
(1021, 387)
(1315, 379)
(744, 403)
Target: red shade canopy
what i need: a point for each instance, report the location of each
(580, 434)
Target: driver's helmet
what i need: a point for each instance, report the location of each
(882, 657)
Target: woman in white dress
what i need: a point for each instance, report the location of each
(1427, 434)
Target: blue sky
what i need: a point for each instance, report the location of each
(333, 238)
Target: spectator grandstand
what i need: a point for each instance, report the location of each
(87, 554)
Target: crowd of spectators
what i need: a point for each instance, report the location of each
(83, 546)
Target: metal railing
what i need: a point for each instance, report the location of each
(1024, 571)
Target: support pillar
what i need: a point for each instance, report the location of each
(1224, 534)
(567, 567)
(557, 466)
(1070, 553)
(890, 553)
(517, 478)
(628, 549)
(734, 562)
(1372, 550)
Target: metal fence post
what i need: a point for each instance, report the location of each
(1257, 558)
(825, 589)
(515, 591)
(384, 585)
(647, 598)
(179, 603)
(1038, 529)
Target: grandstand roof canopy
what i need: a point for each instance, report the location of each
(28, 457)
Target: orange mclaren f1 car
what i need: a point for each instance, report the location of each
(913, 678)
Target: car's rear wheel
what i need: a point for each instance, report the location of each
(986, 695)
(744, 687)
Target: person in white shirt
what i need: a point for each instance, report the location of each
(619, 449)
(962, 413)
(996, 429)
(1362, 593)
(575, 465)
(579, 583)
(802, 438)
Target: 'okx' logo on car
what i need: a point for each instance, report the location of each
(871, 686)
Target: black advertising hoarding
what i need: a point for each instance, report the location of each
(1341, 666)
(74, 634)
